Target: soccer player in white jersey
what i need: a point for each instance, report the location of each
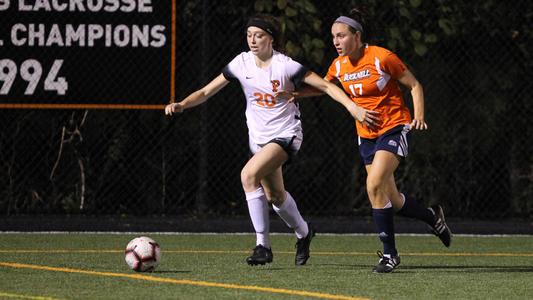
(274, 129)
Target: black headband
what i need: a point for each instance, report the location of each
(266, 26)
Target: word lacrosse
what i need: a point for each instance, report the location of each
(141, 6)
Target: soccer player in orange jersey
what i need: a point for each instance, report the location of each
(372, 75)
(274, 129)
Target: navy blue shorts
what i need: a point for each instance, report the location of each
(291, 145)
(288, 145)
(396, 141)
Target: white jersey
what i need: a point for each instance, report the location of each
(268, 118)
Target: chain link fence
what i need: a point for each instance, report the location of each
(473, 59)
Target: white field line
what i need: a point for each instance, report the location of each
(248, 233)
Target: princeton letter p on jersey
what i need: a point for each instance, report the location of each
(275, 84)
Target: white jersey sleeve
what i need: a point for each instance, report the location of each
(267, 117)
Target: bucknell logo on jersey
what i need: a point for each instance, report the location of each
(356, 75)
(275, 85)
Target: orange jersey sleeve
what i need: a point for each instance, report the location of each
(392, 65)
(371, 82)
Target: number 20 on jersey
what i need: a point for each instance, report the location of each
(265, 100)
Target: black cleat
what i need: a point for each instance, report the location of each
(260, 256)
(387, 263)
(302, 248)
(441, 229)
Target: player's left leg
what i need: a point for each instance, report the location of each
(407, 206)
(284, 205)
(396, 141)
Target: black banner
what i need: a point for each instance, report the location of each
(92, 53)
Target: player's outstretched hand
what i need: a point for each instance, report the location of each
(173, 108)
(419, 124)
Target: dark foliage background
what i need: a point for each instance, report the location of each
(474, 59)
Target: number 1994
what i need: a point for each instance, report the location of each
(31, 71)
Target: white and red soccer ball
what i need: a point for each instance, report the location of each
(142, 254)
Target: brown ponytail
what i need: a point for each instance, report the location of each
(360, 15)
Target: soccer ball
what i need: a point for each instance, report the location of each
(142, 254)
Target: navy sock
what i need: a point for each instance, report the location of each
(412, 209)
(384, 219)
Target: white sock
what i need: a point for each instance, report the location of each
(258, 209)
(291, 216)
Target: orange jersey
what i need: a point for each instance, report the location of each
(371, 82)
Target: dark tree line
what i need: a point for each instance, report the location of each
(474, 59)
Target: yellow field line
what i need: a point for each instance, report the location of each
(487, 254)
(184, 282)
(490, 254)
(18, 296)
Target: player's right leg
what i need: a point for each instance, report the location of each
(383, 165)
(265, 161)
(259, 214)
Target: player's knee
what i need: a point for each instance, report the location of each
(249, 180)
(276, 198)
(374, 185)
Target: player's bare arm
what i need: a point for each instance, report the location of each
(304, 92)
(417, 93)
(198, 97)
(368, 117)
